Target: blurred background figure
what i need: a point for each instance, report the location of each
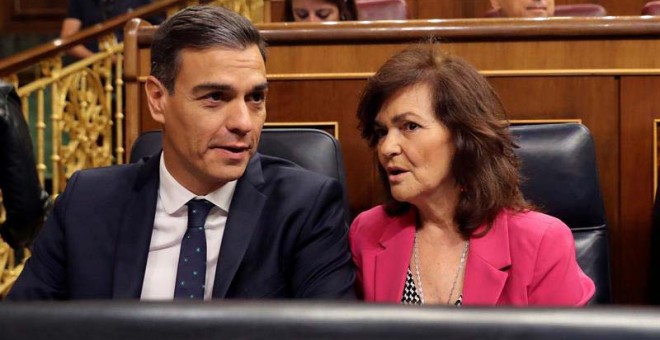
(524, 8)
(320, 10)
(24, 200)
(85, 13)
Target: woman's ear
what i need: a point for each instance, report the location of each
(156, 98)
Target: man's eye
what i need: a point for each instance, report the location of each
(256, 97)
(216, 96)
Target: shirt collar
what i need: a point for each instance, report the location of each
(173, 195)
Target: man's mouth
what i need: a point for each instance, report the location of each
(537, 8)
(235, 149)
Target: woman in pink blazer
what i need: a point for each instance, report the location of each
(456, 228)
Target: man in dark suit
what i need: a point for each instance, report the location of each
(273, 230)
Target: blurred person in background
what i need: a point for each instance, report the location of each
(85, 13)
(320, 10)
(24, 200)
(524, 8)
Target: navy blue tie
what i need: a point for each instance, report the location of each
(191, 273)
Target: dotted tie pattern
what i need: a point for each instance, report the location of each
(191, 272)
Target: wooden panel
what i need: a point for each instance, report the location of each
(276, 10)
(639, 108)
(514, 55)
(33, 15)
(314, 100)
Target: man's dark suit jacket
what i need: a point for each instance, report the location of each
(285, 236)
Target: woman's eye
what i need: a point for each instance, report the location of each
(323, 13)
(410, 126)
(380, 133)
(302, 14)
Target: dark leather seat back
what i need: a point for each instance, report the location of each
(561, 179)
(580, 10)
(312, 149)
(651, 8)
(146, 145)
(576, 10)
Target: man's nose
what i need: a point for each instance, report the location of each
(240, 120)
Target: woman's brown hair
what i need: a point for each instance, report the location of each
(484, 165)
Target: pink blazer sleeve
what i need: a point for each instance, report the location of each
(557, 278)
(355, 252)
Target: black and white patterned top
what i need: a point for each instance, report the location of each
(410, 296)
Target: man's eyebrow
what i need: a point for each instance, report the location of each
(263, 87)
(211, 87)
(216, 87)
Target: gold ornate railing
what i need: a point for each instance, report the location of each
(86, 100)
(76, 111)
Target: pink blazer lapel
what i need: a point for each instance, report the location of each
(391, 263)
(487, 266)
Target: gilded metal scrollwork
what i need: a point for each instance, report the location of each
(86, 124)
(9, 269)
(251, 9)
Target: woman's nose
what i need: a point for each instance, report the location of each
(389, 145)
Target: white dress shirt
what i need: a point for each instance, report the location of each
(170, 225)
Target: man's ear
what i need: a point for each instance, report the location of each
(495, 4)
(156, 98)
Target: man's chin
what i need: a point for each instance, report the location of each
(230, 173)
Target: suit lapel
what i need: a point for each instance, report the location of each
(489, 259)
(135, 232)
(244, 214)
(391, 263)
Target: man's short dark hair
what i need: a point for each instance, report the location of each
(200, 28)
